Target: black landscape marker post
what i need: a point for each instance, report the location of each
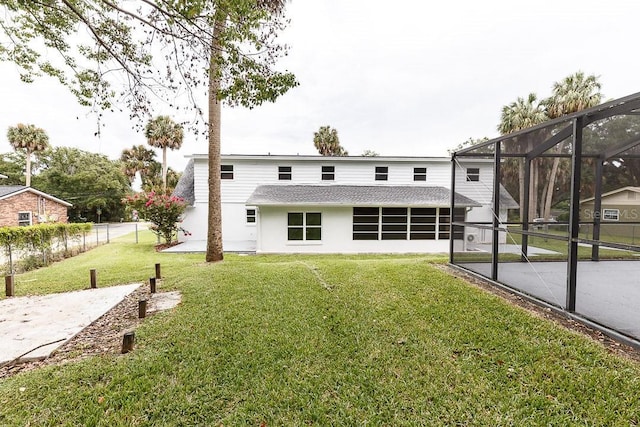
(93, 278)
(142, 309)
(158, 275)
(9, 285)
(127, 342)
(152, 284)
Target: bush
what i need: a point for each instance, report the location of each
(162, 211)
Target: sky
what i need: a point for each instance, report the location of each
(403, 78)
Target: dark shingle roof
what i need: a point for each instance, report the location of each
(506, 201)
(184, 188)
(352, 195)
(5, 190)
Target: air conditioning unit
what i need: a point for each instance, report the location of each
(472, 238)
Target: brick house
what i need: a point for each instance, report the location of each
(21, 205)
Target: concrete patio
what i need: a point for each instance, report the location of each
(608, 292)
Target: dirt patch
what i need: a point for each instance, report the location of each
(162, 246)
(104, 336)
(609, 343)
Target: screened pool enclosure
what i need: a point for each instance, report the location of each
(572, 239)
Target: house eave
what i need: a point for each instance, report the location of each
(38, 193)
(329, 159)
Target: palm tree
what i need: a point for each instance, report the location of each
(30, 139)
(162, 132)
(522, 114)
(327, 142)
(137, 159)
(574, 93)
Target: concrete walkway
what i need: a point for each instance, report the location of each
(30, 322)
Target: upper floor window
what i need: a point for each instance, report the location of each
(473, 174)
(328, 173)
(226, 171)
(382, 173)
(284, 173)
(419, 174)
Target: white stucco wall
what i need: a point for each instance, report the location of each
(238, 235)
(337, 225)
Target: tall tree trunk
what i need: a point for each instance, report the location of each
(28, 171)
(551, 188)
(543, 198)
(164, 170)
(521, 183)
(214, 232)
(533, 190)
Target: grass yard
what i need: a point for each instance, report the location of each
(324, 340)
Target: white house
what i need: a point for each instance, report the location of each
(336, 204)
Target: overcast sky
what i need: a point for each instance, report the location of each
(408, 77)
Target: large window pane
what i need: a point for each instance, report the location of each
(314, 233)
(314, 218)
(295, 218)
(295, 233)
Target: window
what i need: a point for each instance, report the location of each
(366, 223)
(24, 219)
(473, 174)
(382, 173)
(251, 216)
(444, 223)
(304, 226)
(226, 171)
(458, 230)
(419, 174)
(328, 173)
(284, 173)
(610, 214)
(402, 223)
(423, 223)
(394, 223)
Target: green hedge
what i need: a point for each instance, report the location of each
(37, 241)
(40, 236)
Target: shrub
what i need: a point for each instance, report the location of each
(162, 211)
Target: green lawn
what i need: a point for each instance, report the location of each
(324, 340)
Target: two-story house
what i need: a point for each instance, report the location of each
(336, 204)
